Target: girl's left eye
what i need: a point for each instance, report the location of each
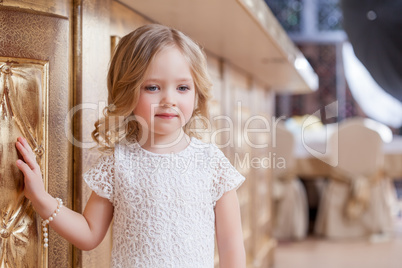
(183, 88)
(151, 88)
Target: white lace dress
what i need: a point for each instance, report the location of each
(163, 203)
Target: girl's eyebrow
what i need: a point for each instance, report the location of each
(184, 79)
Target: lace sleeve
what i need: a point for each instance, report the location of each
(100, 178)
(226, 176)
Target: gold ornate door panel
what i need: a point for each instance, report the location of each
(23, 97)
(34, 99)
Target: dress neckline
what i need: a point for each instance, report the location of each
(190, 144)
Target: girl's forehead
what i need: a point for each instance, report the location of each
(170, 49)
(170, 61)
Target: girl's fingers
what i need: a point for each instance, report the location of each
(29, 157)
(24, 142)
(28, 173)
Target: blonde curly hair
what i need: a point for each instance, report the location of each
(129, 63)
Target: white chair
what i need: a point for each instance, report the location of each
(358, 199)
(290, 200)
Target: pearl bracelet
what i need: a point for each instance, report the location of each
(51, 218)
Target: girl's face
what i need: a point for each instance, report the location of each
(167, 96)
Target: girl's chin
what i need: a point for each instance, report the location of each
(167, 131)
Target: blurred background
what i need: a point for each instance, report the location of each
(355, 48)
(318, 27)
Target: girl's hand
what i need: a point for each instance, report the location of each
(33, 183)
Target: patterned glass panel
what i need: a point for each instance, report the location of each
(329, 15)
(288, 13)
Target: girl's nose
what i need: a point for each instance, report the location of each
(169, 99)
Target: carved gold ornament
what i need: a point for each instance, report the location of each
(23, 95)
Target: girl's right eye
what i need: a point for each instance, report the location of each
(151, 88)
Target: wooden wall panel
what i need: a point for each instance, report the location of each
(124, 20)
(259, 136)
(237, 91)
(92, 53)
(55, 7)
(249, 105)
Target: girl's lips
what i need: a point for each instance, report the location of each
(166, 115)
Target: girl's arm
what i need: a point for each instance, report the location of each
(84, 231)
(229, 232)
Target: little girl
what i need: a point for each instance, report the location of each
(167, 191)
